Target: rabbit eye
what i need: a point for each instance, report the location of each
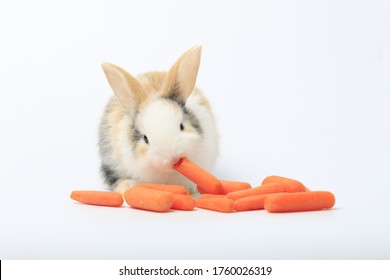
(146, 140)
(181, 127)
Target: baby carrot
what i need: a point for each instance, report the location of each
(254, 202)
(229, 186)
(149, 199)
(183, 202)
(232, 186)
(210, 195)
(206, 181)
(263, 189)
(175, 189)
(293, 184)
(200, 190)
(268, 188)
(101, 198)
(300, 201)
(277, 187)
(239, 194)
(219, 204)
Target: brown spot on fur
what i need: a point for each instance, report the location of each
(153, 81)
(189, 129)
(141, 150)
(203, 101)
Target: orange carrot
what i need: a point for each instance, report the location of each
(294, 184)
(232, 186)
(228, 186)
(183, 202)
(175, 189)
(101, 198)
(240, 194)
(300, 201)
(254, 202)
(219, 204)
(206, 181)
(210, 195)
(268, 188)
(200, 190)
(149, 199)
(283, 187)
(263, 189)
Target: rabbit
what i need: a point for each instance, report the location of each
(154, 120)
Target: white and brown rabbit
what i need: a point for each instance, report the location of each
(154, 120)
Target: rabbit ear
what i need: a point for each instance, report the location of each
(180, 80)
(127, 88)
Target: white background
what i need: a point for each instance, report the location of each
(300, 89)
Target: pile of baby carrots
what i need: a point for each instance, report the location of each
(276, 194)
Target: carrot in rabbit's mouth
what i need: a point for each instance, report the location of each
(199, 176)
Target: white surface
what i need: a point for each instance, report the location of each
(299, 89)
